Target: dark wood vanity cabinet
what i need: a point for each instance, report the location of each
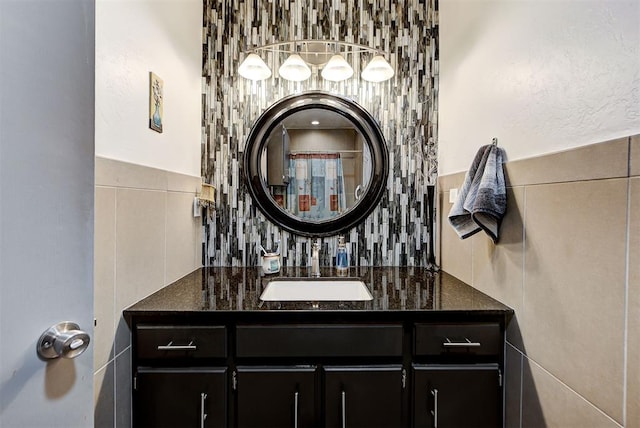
(275, 396)
(457, 396)
(181, 397)
(363, 397)
(180, 376)
(324, 393)
(392, 374)
(291, 396)
(457, 381)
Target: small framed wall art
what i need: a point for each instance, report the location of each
(155, 102)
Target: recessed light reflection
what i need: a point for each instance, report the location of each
(315, 122)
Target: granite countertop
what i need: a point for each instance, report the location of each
(394, 289)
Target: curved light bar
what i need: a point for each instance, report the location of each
(307, 55)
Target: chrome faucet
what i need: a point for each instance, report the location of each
(315, 258)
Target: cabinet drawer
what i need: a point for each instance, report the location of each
(469, 339)
(319, 340)
(157, 341)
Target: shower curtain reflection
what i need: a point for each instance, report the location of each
(316, 188)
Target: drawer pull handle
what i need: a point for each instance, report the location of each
(171, 347)
(466, 344)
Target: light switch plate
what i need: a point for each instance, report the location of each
(453, 195)
(196, 207)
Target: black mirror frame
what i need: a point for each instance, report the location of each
(361, 119)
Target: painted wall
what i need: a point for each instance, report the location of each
(132, 39)
(146, 235)
(540, 77)
(396, 231)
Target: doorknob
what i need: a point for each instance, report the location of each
(64, 340)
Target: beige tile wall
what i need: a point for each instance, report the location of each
(513, 389)
(454, 253)
(633, 321)
(145, 238)
(634, 164)
(568, 262)
(547, 402)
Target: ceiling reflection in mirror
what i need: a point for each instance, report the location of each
(316, 164)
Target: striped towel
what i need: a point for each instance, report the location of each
(482, 201)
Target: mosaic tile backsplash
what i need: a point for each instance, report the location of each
(396, 232)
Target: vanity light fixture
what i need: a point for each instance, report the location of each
(295, 69)
(378, 70)
(300, 58)
(337, 69)
(254, 68)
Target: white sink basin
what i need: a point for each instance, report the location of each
(315, 290)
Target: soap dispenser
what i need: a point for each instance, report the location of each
(315, 259)
(342, 258)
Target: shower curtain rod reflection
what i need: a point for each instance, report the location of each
(328, 152)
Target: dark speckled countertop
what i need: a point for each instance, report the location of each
(394, 289)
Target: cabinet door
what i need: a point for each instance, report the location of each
(364, 396)
(276, 397)
(457, 396)
(180, 397)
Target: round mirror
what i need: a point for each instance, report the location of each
(316, 164)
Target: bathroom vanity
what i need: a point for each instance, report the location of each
(426, 351)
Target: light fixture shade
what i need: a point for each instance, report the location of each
(254, 68)
(378, 70)
(337, 69)
(295, 69)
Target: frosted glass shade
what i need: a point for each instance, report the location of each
(295, 69)
(337, 69)
(378, 70)
(254, 68)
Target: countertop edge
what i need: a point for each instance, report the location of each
(398, 292)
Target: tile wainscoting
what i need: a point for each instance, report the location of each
(568, 262)
(145, 238)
